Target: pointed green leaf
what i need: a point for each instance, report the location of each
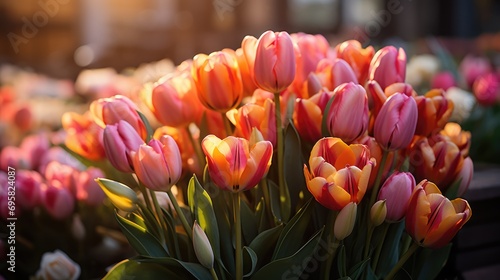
(294, 165)
(250, 226)
(357, 271)
(429, 262)
(390, 251)
(341, 262)
(274, 197)
(195, 269)
(149, 220)
(149, 129)
(249, 260)
(324, 125)
(140, 239)
(131, 269)
(264, 243)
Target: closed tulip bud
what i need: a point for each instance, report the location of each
(308, 115)
(202, 247)
(58, 200)
(83, 135)
(432, 220)
(235, 166)
(87, 189)
(174, 100)
(65, 174)
(396, 191)
(388, 66)
(28, 189)
(346, 219)
(109, 111)
(395, 124)
(158, 164)
(120, 141)
(358, 58)
(348, 115)
(122, 197)
(465, 176)
(486, 88)
(378, 213)
(461, 138)
(434, 111)
(218, 80)
(274, 67)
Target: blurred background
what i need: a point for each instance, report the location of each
(61, 37)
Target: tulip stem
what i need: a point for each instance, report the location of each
(144, 192)
(180, 214)
(380, 246)
(267, 203)
(197, 148)
(402, 261)
(281, 176)
(159, 217)
(237, 225)
(332, 243)
(376, 185)
(214, 275)
(227, 125)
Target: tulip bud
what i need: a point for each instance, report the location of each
(344, 224)
(120, 141)
(311, 49)
(202, 247)
(34, 146)
(348, 115)
(455, 134)
(58, 200)
(122, 197)
(486, 88)
(274, 67)
(396, 191)
(395, 124)
(378, 213)
(388, 66)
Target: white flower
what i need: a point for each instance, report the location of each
(421, 68)
(463, 102)
(57, 266)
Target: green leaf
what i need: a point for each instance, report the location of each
(140, 239)
(274, 197)
(226, 242)
(249, 260)
(149, 129)
(429, 262)
(390, 251)
(280, 268)
(324, 125)
(263, 244)
(294, 165)
(201, 207)
(452, 191)
(171, 236)
(132, 269)
(251, 224)
(357, 270)
(149, 220)
(341, 262)
(195, 269)
(292, 235)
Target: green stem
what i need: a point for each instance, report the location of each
(197, 148)
(214, 275)
(281, 153)
(144, 192)
(331, 241)
(267, 203)
(376, 186)
(227, 125)
(380, 246)
(159, 216)
(180, 214)
(335, 244)
(237, 225)
(402, 261)
(368, 239)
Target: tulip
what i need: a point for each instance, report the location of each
(251, 116)
(249, 48)
(439, 162)
(120, 141)
(202, 248)
(235, 166)
(472, 68)
(249, 85)
(122, 197)
(83, 136)
(274, 67)
(58, 200)
(396, 192)
(388, 66)
(87, 189)
(358, 58)
(348, 115)
(34, 147)
(345, 221)
(190, 162)
(432, 220)
(218, 80)
(454, 133)
(28, 189)
(395, 124)
(65, 174)
(434, 111)
(58, 265)
(59, 155)
(335, 189)
(174, 100)
(109, 111)
(311, 49)
(14, 157)
(158, 164)
(308, 115)
(335, 72)
(378, 213)
(486, 88)
(376, 152)
(464, 177)
(338, 154)
(443, 80)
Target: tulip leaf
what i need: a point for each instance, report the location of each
(452, 191)
(149, 220)
(201, 207)
(390, 251)
(274, 197)
(357, 270)
(140, 239)
(226, 242)
(195, 269)
(171, 235)
(341, 262)
(429, 262)
(249, 260)
(250, 226)
(265, 242)
(149, 129)
(324, 121)
(294, 165)
(121, 195)
(286, 268)
(132, 269)
(293, 233)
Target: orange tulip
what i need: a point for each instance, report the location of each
(434, 110)
(274, 67)
(338, 154)
(335, 72)
(455, 134)
(218, 80)
(431, 219)
(83, 136)
(249, 85)
(358, 58)
(308, 115)
(235, 166)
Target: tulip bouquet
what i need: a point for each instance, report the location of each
(286, 158)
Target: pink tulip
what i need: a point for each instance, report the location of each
(336, 72)
(465, 176)
(396, 191)
(28, 189)
(158, 164)
(473, 67)
(358, 58)
(120, 140)
(14, 157)
(443, 80)
(348, 115)
(274, 68)
(311, 49)
(388, 66)
(87, 189)
(396, 122)
(486, 88)
(34, 147)
(58, 154)
(62, 173)
(58, 200)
